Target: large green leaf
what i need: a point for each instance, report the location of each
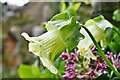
(26, 71)
(69, 29)
(30, 71)
(96, 26)
(70, 34)
(58, 38)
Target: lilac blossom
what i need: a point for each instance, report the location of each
(94, 67)
(92, 73)
(70, 74)
(70, 66)
(64, 55)
(102, 66)
(70, 61)
(98, 64)
(116, 61)
(94, 50)
(109, 55)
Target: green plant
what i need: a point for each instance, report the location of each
(65, 33)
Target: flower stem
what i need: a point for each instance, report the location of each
(102, 53)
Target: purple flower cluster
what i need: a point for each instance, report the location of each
(101, 65)
(75, 68)
(109, 55)
(92, 73)
(116, 61)
(97, 66)
(71, 71)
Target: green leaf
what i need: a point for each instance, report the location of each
(30, 71)
(115, 44)
(62, 6)
(109, 35)
(76, 6)
(70, 34)
(61, 16)
(116, 15)
(51, 44)
(85, 63)
(71, 9)
(26, 71)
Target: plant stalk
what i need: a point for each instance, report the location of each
(102, 53)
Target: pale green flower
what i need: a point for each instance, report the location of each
(96, 26)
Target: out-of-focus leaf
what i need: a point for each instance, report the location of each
(103, 76)
(115, 78)
(113, 39)
(30, 71)
(116, 15)
(96, 26)
(26, 71)
(71, 9)
(62, 6)
(76, 6)
(58, 38)
(85, 63)
(115, 44)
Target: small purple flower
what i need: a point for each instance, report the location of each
(99, 58)
(77, 53)
(70, 66)
(64, 55)
(109, 55)
(69, 74)
(99, 64)
(69, 61)
(73, 56)
(92, 73)
(102, 66)
(116, 61)
(94, 50)
(91, 65)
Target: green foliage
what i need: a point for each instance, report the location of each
(71, 9)
(27, 71)
(116, 15)
(63, 33)
(113, 39)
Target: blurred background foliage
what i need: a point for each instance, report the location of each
(30, 17)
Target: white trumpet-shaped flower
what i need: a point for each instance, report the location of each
(96, 26)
